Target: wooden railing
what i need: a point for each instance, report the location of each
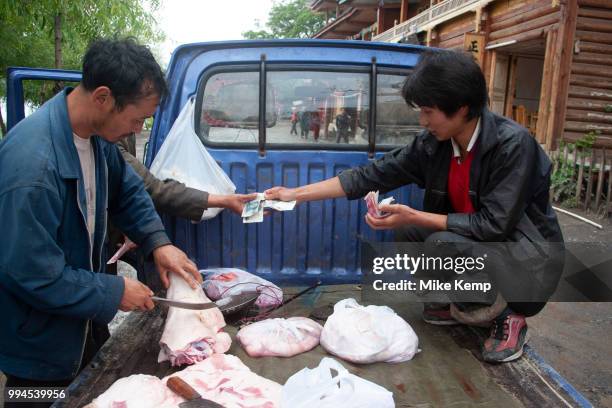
(582, 178)
(430, 18)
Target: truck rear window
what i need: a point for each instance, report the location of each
(313, 108)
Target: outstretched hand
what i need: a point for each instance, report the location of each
(281, 193)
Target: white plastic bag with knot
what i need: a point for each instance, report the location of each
(330, 385)
(368, 334)
(183, 157)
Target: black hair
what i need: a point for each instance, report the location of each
(127, 68)
(447, 80)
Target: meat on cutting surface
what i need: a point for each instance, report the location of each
(280, 337)
(191, 335)
(221, 378)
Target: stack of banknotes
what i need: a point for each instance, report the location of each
(372, 203)
(253, 211)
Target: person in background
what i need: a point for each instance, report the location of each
(170, 197)
(343, 124)
(294, 121)
(486, 180)
(304, 123)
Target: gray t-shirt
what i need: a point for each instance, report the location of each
(88, 167)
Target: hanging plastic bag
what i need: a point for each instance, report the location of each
(224, 282)
(184, 158)
(330, 385)
(368, 334)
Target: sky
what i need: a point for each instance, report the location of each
(186, 21)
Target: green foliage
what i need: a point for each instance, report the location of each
(27, 33)
(587, 141)
(288, 19)
(608, 108)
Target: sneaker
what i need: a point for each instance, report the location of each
(438, 315)
(507, 338)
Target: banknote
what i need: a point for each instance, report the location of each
(373, 204)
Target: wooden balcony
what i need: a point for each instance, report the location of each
(428, 19)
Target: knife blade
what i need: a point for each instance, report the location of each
(184, 305)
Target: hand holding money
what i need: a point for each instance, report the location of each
(373, 205)
(254, 210)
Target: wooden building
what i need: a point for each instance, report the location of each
(548, 63)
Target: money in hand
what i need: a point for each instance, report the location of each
(373, 205)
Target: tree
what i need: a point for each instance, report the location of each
(288, 19)
(55, 34)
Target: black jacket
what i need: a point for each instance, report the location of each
(509, 182)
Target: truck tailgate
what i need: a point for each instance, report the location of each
(447, 372)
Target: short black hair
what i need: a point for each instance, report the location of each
(447, 80)
(127, 68)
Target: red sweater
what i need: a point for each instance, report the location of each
(459, 184)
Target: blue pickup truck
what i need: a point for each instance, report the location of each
(267, 112)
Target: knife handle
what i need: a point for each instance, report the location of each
(183, 389)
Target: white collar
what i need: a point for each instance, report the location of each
(457, 151)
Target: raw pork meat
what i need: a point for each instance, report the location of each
(221, 378)
(191, 335)
(368, 334)
(223, 282)
(135, 391)
(280, 337)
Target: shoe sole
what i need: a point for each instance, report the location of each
(442, 322)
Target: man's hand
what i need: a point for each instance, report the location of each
(136, 296)
(234, 202)
(400, 215)
(281, 193)
(169, 258)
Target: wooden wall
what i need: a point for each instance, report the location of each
(589, 104)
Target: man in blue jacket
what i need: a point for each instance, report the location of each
(62, 180)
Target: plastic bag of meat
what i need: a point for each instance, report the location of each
(320, 388)
(135, 391)
(191, 335)
(280, 337)
(368, 334)
(223, 282)
(221, 378)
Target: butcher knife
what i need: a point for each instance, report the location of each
(184, 305)
(194, 399)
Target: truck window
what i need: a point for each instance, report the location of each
(310, 108)
(230, 108)
(317, 107)
(396, 122)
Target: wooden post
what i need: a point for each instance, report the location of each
(587, 198)
(404, 11)
(477, 22)
(600, 178)
(609, 189)
(428, 38)
(580, 172)
(563, 62)
(511, 88)
(544, 106)
(380, 17)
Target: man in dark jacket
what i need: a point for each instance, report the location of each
(62, 180)
(486, 180)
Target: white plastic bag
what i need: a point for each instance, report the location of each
(184, 158)
(223, 282)
(368, 334)
(280, 337)
(320, 388)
